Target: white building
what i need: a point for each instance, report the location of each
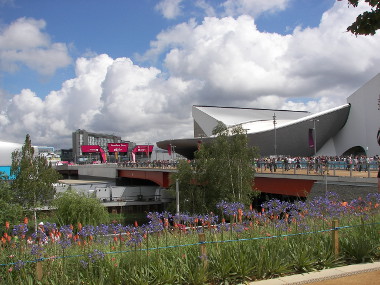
(352, 128)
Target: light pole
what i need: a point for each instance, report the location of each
(177, 195)
(315, 135)
(148, 151)
(275, 134)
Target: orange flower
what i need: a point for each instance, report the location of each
(136, 224)
(79, 226)
(26, 220)
(7, 225)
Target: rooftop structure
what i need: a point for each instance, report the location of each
(352, 128)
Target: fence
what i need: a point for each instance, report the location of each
(331, 168)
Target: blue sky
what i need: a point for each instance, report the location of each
(123, 28)
(134, 68)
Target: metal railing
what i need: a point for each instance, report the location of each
(330, 168)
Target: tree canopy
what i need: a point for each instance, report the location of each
(368, 22)
(74, 208)
(9, 211)
(221, 170)
(34, 177)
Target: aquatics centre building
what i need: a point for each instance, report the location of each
(350, 129)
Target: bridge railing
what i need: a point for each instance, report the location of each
(330, 168)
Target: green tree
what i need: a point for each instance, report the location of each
(73, 208)
(9, 211)
(34, 177)
(368, 22)
(191, 193)
(222, 170)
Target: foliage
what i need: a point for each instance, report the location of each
(368, 22)
(283, 239)
(191, 193)
(34, 177)
(9, 211)
(222, 170)
(74, 208)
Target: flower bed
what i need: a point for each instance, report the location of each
(238, 245)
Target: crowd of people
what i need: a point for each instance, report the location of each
(319, 163)
(150, 164)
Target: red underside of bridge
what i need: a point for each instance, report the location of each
(159, 177)
(282, 186)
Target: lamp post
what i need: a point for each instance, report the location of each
(315, 135)
(177, 195)
(148, 151)
(275, 134)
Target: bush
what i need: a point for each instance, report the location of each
(74, 208)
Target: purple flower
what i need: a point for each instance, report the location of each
(20, 230)
(96, 255)
(19, 265)
(37, 250)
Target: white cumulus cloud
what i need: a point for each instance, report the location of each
(220, 61)
(24, 42)
(253, 7)
(170, 9)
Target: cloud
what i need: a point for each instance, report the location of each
(219, 61)
(23, 42)
(170, 9)
(253, 7)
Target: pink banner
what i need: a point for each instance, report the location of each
(94, 148)
(311, 138)
(117, 147)
(90, 148)
(143, 148)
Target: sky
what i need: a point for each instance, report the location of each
(135, 68)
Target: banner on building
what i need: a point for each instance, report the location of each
(94, 148)
(90, 148)
(311, 138)
(143, 148)
(117, 147)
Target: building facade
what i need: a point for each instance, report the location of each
(82, 137)
(350, 129)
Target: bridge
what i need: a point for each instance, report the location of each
(291, 182)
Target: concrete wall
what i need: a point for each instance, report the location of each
(364, 120)
(98, 170)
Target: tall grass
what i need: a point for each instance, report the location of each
(282, 239)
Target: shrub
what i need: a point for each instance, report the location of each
(74, 208)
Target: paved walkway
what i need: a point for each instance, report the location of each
(357, 274)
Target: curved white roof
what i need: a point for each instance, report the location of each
(6, 149)
(252, 119)
(261, 126)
